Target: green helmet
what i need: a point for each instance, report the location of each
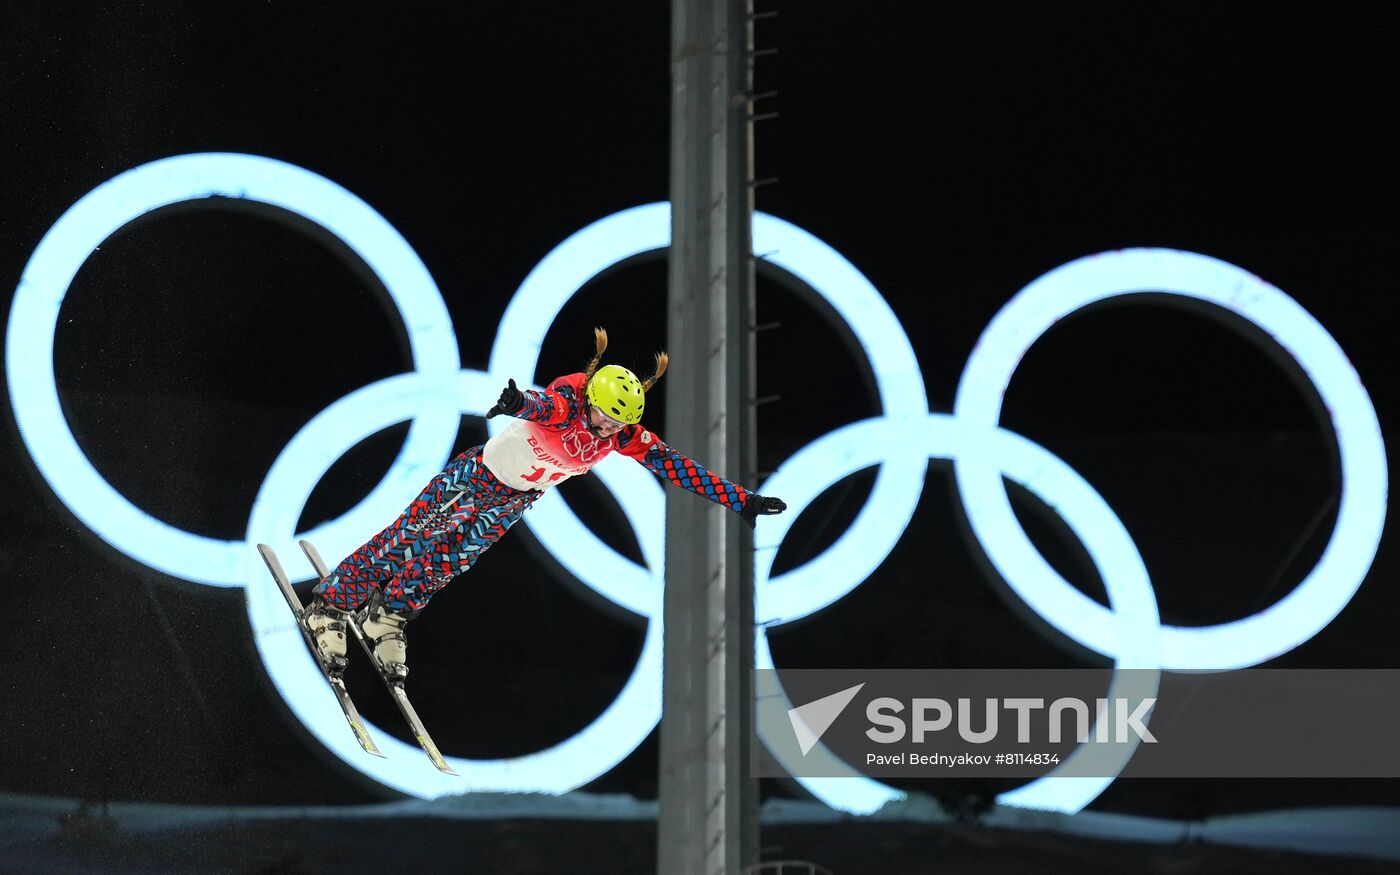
(618, 393)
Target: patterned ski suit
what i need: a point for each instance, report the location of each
(485, 490)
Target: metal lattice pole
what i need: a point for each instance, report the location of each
(708, 819)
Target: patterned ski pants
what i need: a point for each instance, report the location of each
(460, 514)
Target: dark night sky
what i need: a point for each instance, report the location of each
(953, 154)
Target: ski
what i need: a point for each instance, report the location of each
(342, 697)
(395, 687)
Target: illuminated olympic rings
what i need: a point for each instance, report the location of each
(434, 395)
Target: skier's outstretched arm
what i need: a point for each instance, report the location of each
(545, 406)
(674, 467)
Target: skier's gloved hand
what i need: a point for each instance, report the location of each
(760, 504)
(511, 400)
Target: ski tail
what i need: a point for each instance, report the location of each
(395, 687)
(337, 683)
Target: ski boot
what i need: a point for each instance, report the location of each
(384, 633)
(327, 627)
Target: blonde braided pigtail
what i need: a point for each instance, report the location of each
(662, 360)
(600, 340)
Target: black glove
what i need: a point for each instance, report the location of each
(511, 400)
(760, 504)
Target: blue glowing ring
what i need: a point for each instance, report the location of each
(1326, 590)
(63, 250)
(1134, 620)
(621, 236)
(594, 750)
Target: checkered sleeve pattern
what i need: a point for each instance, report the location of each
(690, 475)
(547, 407)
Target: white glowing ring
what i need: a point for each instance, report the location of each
(33, 325)
(1361, 514)
(621, 236)
(1134, 623)
(594, 750)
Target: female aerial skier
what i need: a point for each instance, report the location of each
(560, 432)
